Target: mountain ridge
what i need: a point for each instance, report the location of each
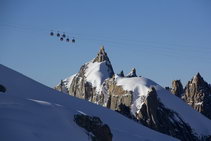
(26, 102)
(132, 92)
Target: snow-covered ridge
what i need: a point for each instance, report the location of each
(68, 81)
(140, 87)
(32, 111)
(96, 73)
(104, 90)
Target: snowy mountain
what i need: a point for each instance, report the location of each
(156, 108)
(30, 111)
(140, 99)
(87, 83)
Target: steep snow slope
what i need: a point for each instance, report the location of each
(32, 111)
(92, 74)
(96, 73)
(140, 86)
(33, 120)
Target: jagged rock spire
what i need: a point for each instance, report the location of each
(197, 79)
(101, 56)
(121, 74)
(197, 94)
(177, 88)
(132, 73)
(149, 111)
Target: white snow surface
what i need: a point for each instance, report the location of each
(30, 111)
(199, 103)
(140, 86)
(68, 81)
(96, 73)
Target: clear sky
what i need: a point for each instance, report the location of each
(163, 39)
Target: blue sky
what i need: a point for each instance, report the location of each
(164, 40)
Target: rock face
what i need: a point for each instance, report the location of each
(155, 115)
(121, 74)
(198, 95)
(152, 113)
(94, 127)
(116, 96)
(132, 73)
(61, 87)
(177, 88)
(2, 88)
(101, 56)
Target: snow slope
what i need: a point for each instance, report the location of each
(140, 86)
(32, 111)
(33, 120)
(96, 73)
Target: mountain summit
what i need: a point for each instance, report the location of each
(137, 98)
(87, 83)
(101, 56)
(132, 73)
(198, 95)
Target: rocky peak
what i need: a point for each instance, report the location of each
(149, 109)
(197, 79)
(132, 73)
(101, 56)
(177, 88)
(96, 129)
(86, 84)
(197, 94)
(155, 115)
(198, 84)
(121, 74)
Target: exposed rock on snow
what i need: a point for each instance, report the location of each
(121, 74)
(2, 88)
(30, 111)
(94, 127)
(101, 56)
(177, 88)
(198, 95)
(139, 98)
(115, 95)
(156, 116)
(132, 73)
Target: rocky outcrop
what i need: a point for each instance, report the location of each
(116, 95)
(101, 56)
(61, 87)
(177, 88)
(198, 95)
(154, 115)
(94, 127)
(132, 73)
(2, 88)
(121, 74)
(82, 89)
(168, 89)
